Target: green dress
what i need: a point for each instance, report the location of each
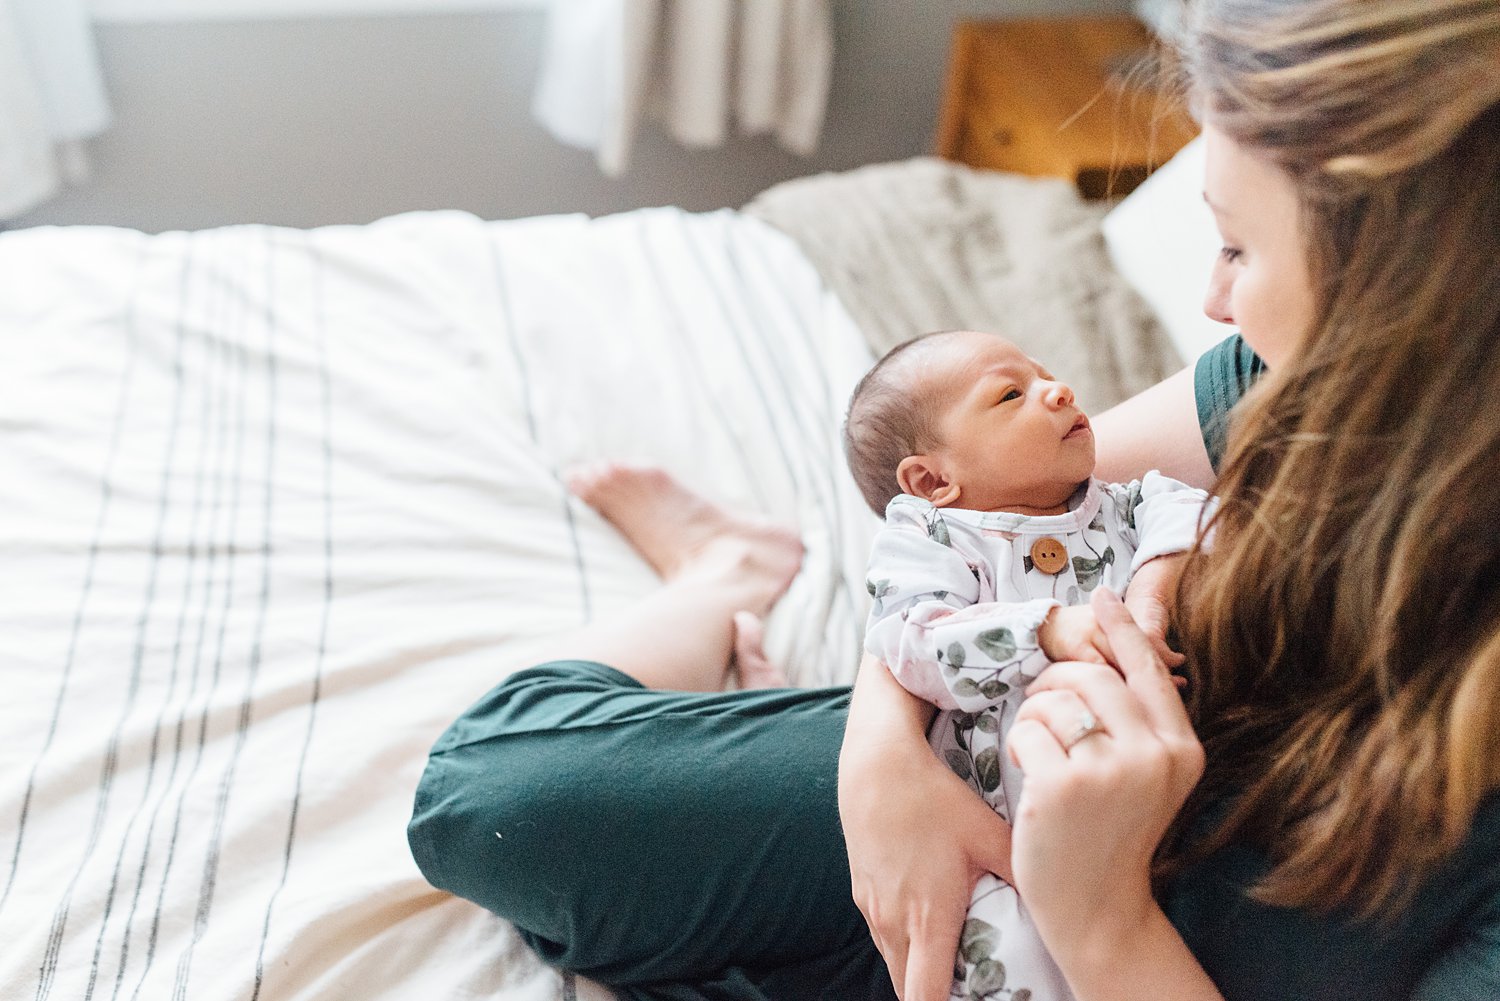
(687, 846)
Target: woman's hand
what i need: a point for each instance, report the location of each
(1109, 757)
(918, 837)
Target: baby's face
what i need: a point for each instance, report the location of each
(1012, 436)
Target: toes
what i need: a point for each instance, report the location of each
(750, 662)
(749, 634)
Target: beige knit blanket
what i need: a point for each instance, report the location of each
(925, 244)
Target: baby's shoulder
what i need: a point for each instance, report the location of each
(953, 527)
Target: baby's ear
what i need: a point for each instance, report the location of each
(920, 476)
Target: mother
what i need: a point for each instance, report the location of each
(1343, 634)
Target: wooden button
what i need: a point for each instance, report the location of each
(1049, 556)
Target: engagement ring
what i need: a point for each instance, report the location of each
(1087, 726)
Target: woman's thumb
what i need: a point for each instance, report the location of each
(986, 837)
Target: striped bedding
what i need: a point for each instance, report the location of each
(275, 505)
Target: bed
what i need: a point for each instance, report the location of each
(278, 504)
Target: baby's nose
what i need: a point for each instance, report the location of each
(1059, 394)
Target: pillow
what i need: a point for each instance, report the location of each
(1162, 239)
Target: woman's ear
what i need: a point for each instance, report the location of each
(920, 476)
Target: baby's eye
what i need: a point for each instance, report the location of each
(1230, 254)
(1010, 394)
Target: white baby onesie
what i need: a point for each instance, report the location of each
(958, 598)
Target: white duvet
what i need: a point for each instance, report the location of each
(276, 505)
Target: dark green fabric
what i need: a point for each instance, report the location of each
(686, 847)
(1445, 947)
(1223, 374)
(676, 845)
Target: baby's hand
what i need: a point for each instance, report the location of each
(1149, 598)
(1071, 633)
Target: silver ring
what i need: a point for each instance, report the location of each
(1088, 725)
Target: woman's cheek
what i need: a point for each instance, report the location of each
(1255, 311)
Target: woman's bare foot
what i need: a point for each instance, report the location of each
(681, 533)
(750, 662)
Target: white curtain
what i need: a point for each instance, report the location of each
(690, 65)
(51, 99)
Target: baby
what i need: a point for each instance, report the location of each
(995, 533)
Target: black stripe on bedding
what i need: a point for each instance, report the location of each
(774, 417)
(810, 415)
(683, 325)
(809, 427)
(214, 367)
(209, 879)
(325, 385)
(231, 414)
(827, 418)
(129, 322)
(137, 657)
(513, 337)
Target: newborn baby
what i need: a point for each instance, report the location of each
(995, 533)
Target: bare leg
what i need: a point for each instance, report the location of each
(750, 663)
(713, 564)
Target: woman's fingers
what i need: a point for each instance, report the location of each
(929, 964)
(1144, 673)
(1060, 710)
(1102, 691)
(1034, 748)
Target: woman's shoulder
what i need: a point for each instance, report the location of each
(1223, 374)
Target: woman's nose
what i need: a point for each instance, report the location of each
(1216, 302)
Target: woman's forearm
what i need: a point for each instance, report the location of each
(918, 837)
(881, 712)
(1155, 429)
(1141, 956)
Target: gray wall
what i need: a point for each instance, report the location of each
(349, 119)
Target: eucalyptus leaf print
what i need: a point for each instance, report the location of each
(958, 763)
(997, 644)
(987, 769)
(987, 977)
(1090, 571)
(993, 688)
(966, 688)
(986, 721)
(878, 590)
(937, 529)
(1132, 501)
(979, 940)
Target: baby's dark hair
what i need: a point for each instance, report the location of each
(889, 419)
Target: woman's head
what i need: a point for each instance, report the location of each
(1341, 110)
(1346, 624)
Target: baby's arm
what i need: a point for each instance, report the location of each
(928, 626)
(1164, 515)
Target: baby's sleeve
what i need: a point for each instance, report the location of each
(1163, 514)
(930, 629)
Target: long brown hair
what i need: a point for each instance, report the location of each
(1344, 628)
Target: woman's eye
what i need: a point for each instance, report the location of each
(1230, 254)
